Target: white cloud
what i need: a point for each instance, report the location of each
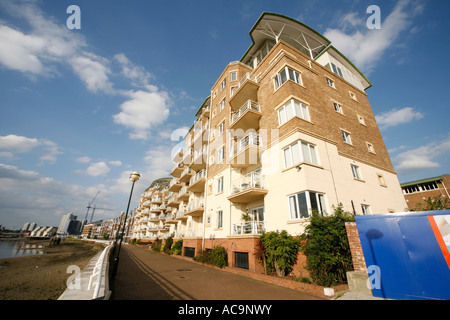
(94, 72)
(395, 117)
(97, 169)
(137, 74)
(83, 159)
(365, 47)
(143, 111)
(21, 144)
(423, 157)
(18, 143)
(115, 163)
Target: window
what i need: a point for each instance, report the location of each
(221, 128)
(365, 209)
(287, 74)
(337, 70)
(293, 108)
(220, 154)
(219, 219)
(299, 151)
(337, 107)
(222, 105)
(224, 84)
(220, 185)
(303, 204)
(233, 76)
(381, 180)
(370, 147)
(330, 83)
(346, 137)
(361, 120)
(356, 172)
(352, 95)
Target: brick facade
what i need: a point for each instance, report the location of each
(359, 263)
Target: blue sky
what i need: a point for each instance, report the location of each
(81, 109)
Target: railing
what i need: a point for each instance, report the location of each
(250, 227)
(200, 152)
(195, 204)
(246, 77)
(183, 191)
(194, 233)
(180, 213)
(251, 180)
(248, 105)
(174, 181)
(199, 175)
(98, 272)
(251, 139)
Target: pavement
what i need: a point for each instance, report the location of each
(146, 275)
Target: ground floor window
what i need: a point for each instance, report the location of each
(303, 204)
(241, 260)
(189, 252)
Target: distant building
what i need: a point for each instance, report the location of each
(69, 224)
(418, 191)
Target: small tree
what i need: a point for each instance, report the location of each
(168, 245)
(327, 249)
(436, 203)
(177, 247)
(280, 251)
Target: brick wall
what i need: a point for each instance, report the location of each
(359, 263)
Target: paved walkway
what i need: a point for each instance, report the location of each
(145, 275)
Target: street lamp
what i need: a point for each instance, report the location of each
(133, 177)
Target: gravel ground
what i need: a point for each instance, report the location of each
(43, 277)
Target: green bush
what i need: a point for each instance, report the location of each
(177, 247)
(156, 245)
(168, 245)
(217, 256)
(279, 252)
(325, 245)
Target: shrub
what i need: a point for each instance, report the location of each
(325, 245)
(217, 256)
(177, 247)
(168, 245)
(156, 246)
(279, 252)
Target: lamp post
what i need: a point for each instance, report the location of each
(133, 177)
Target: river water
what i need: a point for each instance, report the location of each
(18, 248)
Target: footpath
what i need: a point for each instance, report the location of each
(145, 275)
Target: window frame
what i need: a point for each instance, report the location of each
(346, 136)
(278, 81)
(219, 219)
(289, 111)
(320, 201)
(356, 172)
(220, 185)
(299, 144)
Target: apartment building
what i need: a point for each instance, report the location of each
(148, 219)
(418, 191)
(286, 131)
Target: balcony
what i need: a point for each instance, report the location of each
(247, 117)
(154, 218)
(195, 233)
(177, 170)
(170, 218)
(197, 182)
(157, 199)
(250, 227)
(173, 201)
(206, 111)
(200, 133)
(246, 151)
(186, 174)
(199, 159)
(146, 204)
(183, 194)
(246, 90)
(195, 207)
(175, 185)
(181, 214)
(155, 208)
(249, 188)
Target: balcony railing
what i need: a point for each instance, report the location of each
(199, 175)
(251, 180)
(250, 227)
(251, 139)
(248, 105)
(195, 204)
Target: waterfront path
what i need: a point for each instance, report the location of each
(145, 275)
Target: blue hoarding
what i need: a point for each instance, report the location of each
(407, 254)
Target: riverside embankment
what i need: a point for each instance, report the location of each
(43, 276)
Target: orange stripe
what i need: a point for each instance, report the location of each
(440, 239)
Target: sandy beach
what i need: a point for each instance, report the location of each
(43, 277)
